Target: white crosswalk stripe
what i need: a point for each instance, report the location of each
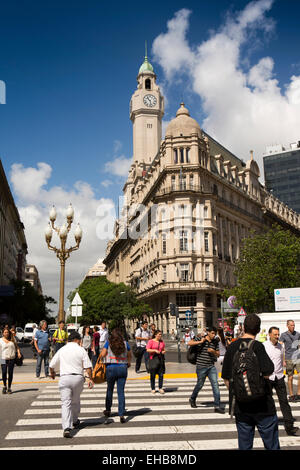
(160, 422)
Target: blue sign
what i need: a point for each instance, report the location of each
(188, 314)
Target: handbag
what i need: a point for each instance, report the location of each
(137, 350)
(99, 372)
(19, 360)
(154, 363)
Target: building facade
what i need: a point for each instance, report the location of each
(32, 276)
(13, 246)
(282, 173)
(98, 270)
(188, 204)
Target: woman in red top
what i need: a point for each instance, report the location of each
(156, 347)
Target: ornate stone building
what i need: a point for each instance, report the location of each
(13, 246)
(188, 204)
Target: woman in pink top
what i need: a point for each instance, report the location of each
(156, 347)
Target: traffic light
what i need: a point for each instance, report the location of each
(174, 310)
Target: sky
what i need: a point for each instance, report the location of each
(67, 73)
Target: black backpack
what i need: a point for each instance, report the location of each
(248, 382)
(191, 354)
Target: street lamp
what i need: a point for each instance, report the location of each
(62, 253)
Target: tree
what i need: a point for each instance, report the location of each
(268, 261)
(26, 304)
(105, 300)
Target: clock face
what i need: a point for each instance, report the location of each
(150, 101)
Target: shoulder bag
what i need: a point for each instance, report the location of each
(99, 372)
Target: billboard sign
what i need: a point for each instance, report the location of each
(287, 300)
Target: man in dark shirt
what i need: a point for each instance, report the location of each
(207, 354)
(261, 412)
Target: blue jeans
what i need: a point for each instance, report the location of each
(212, 374)
(116, 373)
(40, 357)
(267, 428)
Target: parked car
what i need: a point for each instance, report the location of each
(28, 331)
(20, 334)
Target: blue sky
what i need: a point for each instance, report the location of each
(70, 69)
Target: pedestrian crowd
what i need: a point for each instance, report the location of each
(251, 370)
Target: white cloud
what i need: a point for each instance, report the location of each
(34, 202)
(119, 166)
(245, 107)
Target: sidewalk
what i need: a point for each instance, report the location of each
(26, 373)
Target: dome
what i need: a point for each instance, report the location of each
(146, 67)
(183, 124)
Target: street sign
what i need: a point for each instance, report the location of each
(76, 311)
(242, 313)
(188, 314)
(77, 300)
(287, 300)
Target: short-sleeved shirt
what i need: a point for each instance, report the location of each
(42, 339)
(263, 407)
(291, 342)
(71, 359)
(141, 333)
(60, 335)
(205, 358)
(152, 344)
(96, 339)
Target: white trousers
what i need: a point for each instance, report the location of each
(70, 387)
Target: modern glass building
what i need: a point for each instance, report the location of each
(282, 173)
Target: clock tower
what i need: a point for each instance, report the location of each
(146, 113)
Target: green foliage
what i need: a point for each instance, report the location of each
(26, 304)
(104, 300)
(268, 261)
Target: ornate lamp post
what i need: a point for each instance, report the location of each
(62, 253)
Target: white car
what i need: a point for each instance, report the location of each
(20, 334)
(28, 332)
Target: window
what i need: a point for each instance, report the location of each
(186, 300)
(173, 183)
(183, 182)
(175, 152)
(181, 155)
(164, 244)
(187, 155)
(205, 212)
(164, 273)
(208, 300)
(206, 242)
(184, 272)
(148, 84)
(183, 241)
(207, 272)
(191, 181)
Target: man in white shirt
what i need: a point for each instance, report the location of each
(71, 360)
(103, 331)
(275, 351)
(142, 336)
(188, 336)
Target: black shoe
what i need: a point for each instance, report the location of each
(220, 410)
(122, 419)
(106, 413)
(76, 424)
(192, 403)
(67, 432)
(9, 391)
(292, 398)
(4, 391)
(292, 431)
(297, 397)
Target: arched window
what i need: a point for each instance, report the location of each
(181, 155)
(175, 156)
(148, 84)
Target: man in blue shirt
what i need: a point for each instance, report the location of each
(42, 345)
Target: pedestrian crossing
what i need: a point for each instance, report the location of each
(153, 422)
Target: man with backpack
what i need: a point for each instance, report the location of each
(142, 336)
(246, 369)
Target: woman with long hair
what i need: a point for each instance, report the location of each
(156, 349)
(8, 350)
(117, 354)
(86, 341)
